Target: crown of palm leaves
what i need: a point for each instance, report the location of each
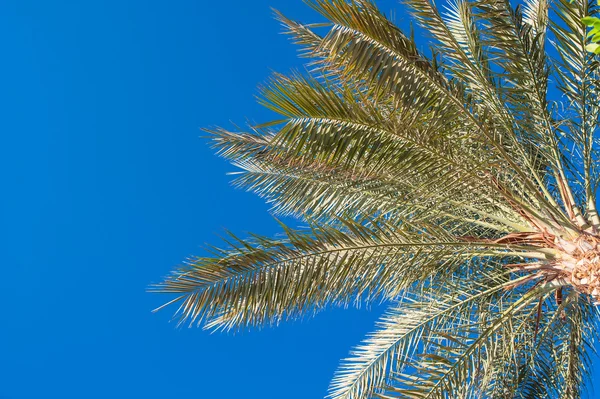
(449, 185)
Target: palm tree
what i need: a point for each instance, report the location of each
(448, 185)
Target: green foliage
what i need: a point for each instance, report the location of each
(593, 34)
(440, 183)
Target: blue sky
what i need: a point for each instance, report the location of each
(108, 186)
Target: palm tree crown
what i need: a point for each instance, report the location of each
(447, 184)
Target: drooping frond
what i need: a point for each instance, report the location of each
(401, 333)
(474, 340)
(553, 353)
(440, 342)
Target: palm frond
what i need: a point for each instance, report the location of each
(402, 332)
(576, 72)
(303, 187)
(335, 125)
(265, 280)
(440, 342)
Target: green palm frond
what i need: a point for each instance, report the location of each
(265, 280)
(452, 185)
(307, 186)
(577, 74)
(416, 319)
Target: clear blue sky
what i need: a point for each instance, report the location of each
(107, 186)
